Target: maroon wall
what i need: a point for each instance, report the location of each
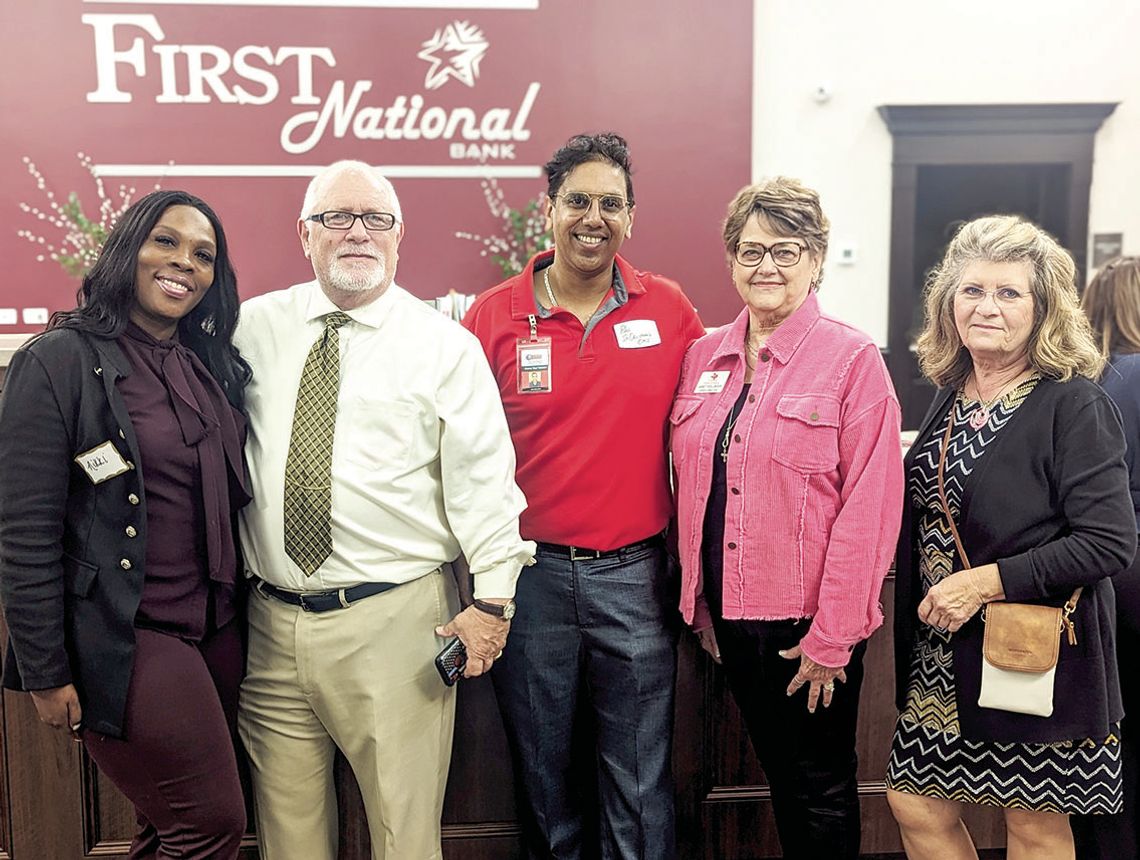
(673, 77)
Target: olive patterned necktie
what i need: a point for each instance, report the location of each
(308, 470)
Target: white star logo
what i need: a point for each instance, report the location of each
(454, 52)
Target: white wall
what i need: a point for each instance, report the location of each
(874, 52)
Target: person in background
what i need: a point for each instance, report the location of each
(378, 451)
(1036, 483)
(1112, 303)
(586, 350)
(789, 483)
(121, 473)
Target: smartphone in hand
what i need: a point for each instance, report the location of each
(451, 660)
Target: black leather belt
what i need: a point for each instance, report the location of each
(578, 553)
(323, 601)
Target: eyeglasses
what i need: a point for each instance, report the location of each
(375, 222)
(1004, 296)
(579, 202)
(784, 254)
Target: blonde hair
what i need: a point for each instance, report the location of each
(1061, 342)
(789, 207)
(1112, 304)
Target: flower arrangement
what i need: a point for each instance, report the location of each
(83, 236)
(522, 232)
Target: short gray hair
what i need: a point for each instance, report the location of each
(326, 175)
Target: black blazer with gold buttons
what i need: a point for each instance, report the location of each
(71, 549)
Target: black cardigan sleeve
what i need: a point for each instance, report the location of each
(1089, 482)
(35, 467)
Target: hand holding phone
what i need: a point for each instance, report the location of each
(451, 660)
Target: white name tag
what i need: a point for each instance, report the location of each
(637, 334)
(711, 381)
(102, 462)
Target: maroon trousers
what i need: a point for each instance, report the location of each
(176, 760)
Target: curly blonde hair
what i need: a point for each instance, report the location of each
(1061, 342)
(1112, 304)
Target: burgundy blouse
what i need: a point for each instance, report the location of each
(189, 439)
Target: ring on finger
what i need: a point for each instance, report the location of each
(829, 687)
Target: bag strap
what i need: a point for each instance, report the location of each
(1070, 604)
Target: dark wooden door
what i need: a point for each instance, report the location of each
(955, 162)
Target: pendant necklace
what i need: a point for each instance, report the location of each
(732, 419)
(981, 414)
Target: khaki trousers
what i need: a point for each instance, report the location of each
(363, 680)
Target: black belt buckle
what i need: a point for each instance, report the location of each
(323, 601)
(579, 554)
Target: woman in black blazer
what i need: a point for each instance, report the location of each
(121, 473)
(1037, 486)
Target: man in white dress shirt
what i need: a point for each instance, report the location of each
(341, 651)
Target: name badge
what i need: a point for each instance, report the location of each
(637, 334)
(711, 382)
(533, 359)
(102, 462)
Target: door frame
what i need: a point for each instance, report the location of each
(964, 134)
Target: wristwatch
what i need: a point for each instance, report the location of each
(506, 611)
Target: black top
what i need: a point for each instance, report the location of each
(712, 544)
(1122, 382)
(1050, 504)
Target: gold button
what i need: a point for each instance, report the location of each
(133, 499)
(131, 531)
(125, 563)
(815, 416)
(98, 371)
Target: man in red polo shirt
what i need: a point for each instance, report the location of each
(587, 352)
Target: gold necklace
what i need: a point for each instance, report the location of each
(546, 283)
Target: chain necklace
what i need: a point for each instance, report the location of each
(980, 417)
(732, 419)
(546, 283)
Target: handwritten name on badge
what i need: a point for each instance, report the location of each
(637, 334)
(102, 462)
(711, 381)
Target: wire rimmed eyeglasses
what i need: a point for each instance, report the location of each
(580, 201)
(335, 219)
(784, 254)
(1006, 296)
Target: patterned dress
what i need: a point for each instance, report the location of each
(928, 755)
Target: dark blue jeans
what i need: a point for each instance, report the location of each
(809, 759)
(593, 647)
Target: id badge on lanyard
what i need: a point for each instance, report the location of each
(533, 360)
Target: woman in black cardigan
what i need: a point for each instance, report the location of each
(120, 475)
(1036, 483)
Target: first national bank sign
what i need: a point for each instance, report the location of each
(241, 101)
(129, 49)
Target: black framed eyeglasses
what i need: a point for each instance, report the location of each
(784, 254)
(335, 219)
(579, 202)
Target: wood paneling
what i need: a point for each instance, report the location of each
(54, 803)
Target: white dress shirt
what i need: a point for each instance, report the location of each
(422, 462)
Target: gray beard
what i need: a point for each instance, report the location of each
(351, 283)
